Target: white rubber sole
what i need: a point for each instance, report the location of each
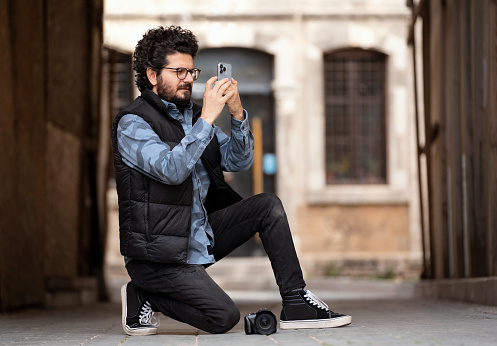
(128, 330)
(316, 324)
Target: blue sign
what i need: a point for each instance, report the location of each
(269, 164)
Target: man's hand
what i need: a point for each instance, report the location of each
(234, 103)
(215, 98)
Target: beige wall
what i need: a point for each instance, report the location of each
(365, 240)
(354, 230)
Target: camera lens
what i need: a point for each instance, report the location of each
(265, 323)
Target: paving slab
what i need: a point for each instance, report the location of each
(375, 322)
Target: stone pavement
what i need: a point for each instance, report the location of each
(383, 313)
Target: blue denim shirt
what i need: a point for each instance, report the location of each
(142, 149)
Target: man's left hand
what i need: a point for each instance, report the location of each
(234, 103)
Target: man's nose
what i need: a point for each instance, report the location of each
(189, 77)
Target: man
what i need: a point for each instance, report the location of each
(177, 215)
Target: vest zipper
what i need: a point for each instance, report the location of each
(147, 209)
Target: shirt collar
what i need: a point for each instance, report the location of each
(176, 114)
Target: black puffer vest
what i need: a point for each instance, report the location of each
(155, 218)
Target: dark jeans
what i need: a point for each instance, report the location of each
(188, 294)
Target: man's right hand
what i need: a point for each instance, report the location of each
(215, 98)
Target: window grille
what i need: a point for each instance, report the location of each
(355, 117)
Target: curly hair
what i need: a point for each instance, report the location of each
(152, 50)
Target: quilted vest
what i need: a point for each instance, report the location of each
(155, 218)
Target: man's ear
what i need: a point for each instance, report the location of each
(152, 76)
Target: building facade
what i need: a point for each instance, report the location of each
(329, 89)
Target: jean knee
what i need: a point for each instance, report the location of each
(229, 318)
(269, 201)
(272, 204)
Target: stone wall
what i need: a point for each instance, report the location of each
(385, 218)
(360, 240)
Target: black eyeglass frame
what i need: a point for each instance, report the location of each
(195, 72)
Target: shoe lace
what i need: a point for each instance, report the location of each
(314, 299)
(147, 315)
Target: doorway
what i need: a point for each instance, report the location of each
(254, 72)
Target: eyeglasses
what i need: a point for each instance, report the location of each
(182, 72)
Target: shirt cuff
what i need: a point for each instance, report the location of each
(242, 126)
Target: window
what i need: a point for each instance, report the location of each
(119, 79)
(355, 117)
(117, 91)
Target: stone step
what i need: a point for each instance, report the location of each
(243, 273)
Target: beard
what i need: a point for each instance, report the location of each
(180, 96)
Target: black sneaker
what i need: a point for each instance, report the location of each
(138, 317)
(303, 309)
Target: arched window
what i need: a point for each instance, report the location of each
(355, 117)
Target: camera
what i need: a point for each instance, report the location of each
(261, 322)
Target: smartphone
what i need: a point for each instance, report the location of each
(223, 70)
